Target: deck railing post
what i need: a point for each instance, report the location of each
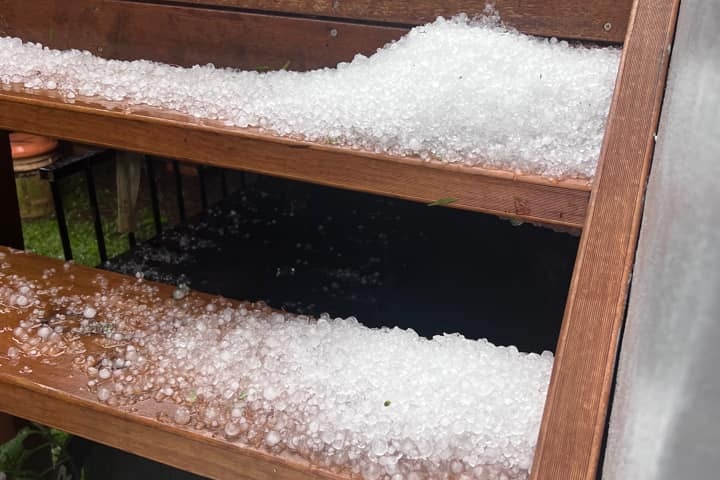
(10, 235)
(10, 225)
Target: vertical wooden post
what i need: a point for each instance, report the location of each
(10, 226)
(573, 427)
(10, 235)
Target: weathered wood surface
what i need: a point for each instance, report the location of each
(576, 19)
(575, 415)
(530, 198)
(56, 394)
(574, 421)
(250, 36)
(188, 36)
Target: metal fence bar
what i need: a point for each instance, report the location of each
(153, 194)
(61, 222)
(97, 221)
(223, 183)
(179, 190)
(203, 190)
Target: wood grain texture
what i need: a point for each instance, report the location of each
(530, 198)
(55, 394)
(10, 225)
(188, 36)
(575, 415)
(576, 19)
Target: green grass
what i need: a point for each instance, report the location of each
(42, 235)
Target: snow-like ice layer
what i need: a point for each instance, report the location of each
(456, 90)
(382, 403)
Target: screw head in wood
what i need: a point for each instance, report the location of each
(607, 27)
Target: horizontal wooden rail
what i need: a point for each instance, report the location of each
(561, 18)
(524, 197)
(189, 33)
(188, 36)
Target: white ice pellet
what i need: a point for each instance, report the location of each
(182, 416)
(457, 90)
(180, 292)
(104, 373)
(232, 430)
(89, 312)
(272, 439)
(103, 394)
(44, 332)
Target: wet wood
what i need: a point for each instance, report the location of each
(56, 394)
(575, 415)
(188, 36)
(529, 198)
(574, 421)
(561, 18)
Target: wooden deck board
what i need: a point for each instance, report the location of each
(187, 36)
(525, 197)
(575, 416)
(565, 18)
(248, 30)
(56, 395)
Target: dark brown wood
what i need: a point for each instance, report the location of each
(55, 394)
(189, 36)
(576, 19)
(575, 414)
(7, 428)
(530, 198)
(10, 224)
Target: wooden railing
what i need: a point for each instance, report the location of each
(237, 33)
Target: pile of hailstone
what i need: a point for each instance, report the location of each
(380, 403)
(458, 90)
